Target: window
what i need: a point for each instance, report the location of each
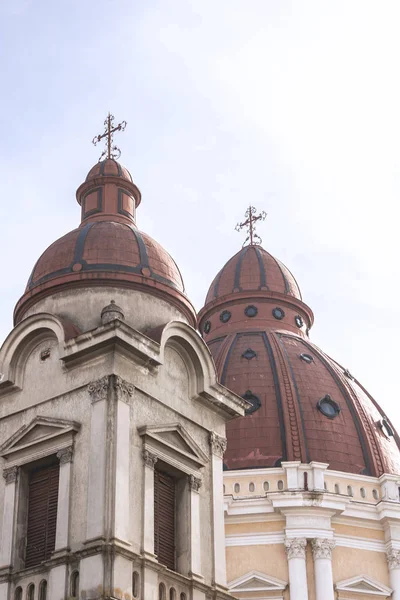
(183, 596)
(74, 587)
(363, 492)
(337, 488)
(375, 494)
(266, 486)
(252, 487)
(172, 594)
(350, 491)
(164, 519)
(280, 484)
(30, 592)
(328, 407)
(236, 488)
(161, 592)
(42, 513)
(43, 590)
(18, 593)
(135, 584)
(278, 313)
(325, 486)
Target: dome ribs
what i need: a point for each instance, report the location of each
(143, 256)
(80, 243)
(278, 395)
(263, 275)
(238, 269)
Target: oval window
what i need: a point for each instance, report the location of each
(207, 327)
(251, 311)
(278, 313)
(328, 407)
(225, 316)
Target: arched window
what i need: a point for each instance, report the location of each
(30, 592)
(18, 593)
(43, 590)
(172, 594)
(162, 592)
(350, 491)
(252, 487)
(280, 485)
(363, 493)
(183, 596)
(236, 488)
(266, 486)
(74, 584)
(337, 488)
(375, 494)
(135, 584)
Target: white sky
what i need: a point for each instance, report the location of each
(291, 106)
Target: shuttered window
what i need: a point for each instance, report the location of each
(164, 519)
(42, 514)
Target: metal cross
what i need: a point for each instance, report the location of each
(250, 221)
(111, 151)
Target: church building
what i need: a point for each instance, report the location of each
(150, 453)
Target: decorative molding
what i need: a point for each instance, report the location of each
(322, 548)
(218, 444)
(124, 389)
(149, 459)
(10, 474)
(295, 547)
(98, 390)
(393, 558)
(363, 584)
(195, 483)
(65, 455)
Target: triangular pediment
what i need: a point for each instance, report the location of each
(37, 431)
(176, 438)
(256, 582)
(363, 585)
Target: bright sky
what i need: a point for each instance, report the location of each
(291, 106)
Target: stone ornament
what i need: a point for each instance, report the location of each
(149, 459)
(11, 474)
(393, 558)
(65, 455)
(123, 389)
(98, 390)
(218, 444)
(195, 483)
(112, 312)
(322, 548)
(295, 547)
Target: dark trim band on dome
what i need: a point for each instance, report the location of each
(121, 210)
(218, 279)
(238, 268)
(144, 257)
(80, 242)
(263, 275)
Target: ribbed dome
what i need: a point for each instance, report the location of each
(305, 406)
(253, 269)
(107, 248)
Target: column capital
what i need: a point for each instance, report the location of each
(322, 548)
(124, 389)
(149, 459)
(393, 558)
(195, 483)
(98, 390)
(295, 547)
(10, 474)
(218, 444)
(65, 455)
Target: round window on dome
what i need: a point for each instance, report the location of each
(253, 400)
(278, 313)
(207, 327)
(251, 311)
(225, 316)
(328, 407)
(307, 358)
(299, 321)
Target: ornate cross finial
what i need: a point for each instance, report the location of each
(251, 219)
(111, 151)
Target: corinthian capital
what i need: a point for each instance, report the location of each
(322, 548)
(149, 458)
(393, 558)
(65, 455)
(98, 390)
(10, 474)
(295, 547)
(123, 389)
(218, 444)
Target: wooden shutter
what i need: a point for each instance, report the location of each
(164, 519)
(42, 514)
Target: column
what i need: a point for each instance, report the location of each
(195, 532)
(322, 554)
(218, 447)
(393, 559)
(6, 543)
(148, 503)
(64, 494)
(296, 553)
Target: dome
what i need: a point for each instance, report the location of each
(107, 247)
(253, 269)
(303, 406)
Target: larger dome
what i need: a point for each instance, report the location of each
(107, 248)
(303, 406)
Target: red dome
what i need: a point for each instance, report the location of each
(107, 248)
(305, 406)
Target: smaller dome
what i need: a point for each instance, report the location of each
(109, 168)
(253, 269)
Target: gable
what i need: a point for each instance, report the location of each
(255, 581)
(174, 439)
(363, 584)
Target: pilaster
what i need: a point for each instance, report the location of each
(195, 531)
(218, 447)
(6, 542)
(393, 560)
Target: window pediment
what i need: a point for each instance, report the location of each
(40, 437)
(362, 584)
(174, 443)
(255, 581)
